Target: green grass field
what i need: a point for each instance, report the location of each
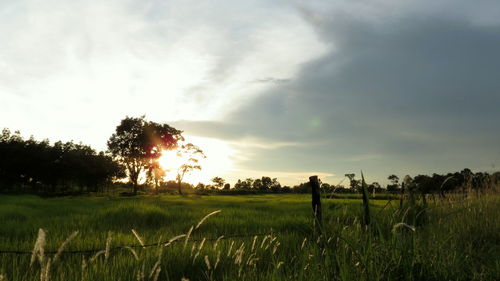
(267, 237)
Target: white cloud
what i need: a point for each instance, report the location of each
(73, 69)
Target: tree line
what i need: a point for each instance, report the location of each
(28, 165)
(134, 149)
(463, 181)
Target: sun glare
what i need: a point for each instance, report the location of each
(217, 162)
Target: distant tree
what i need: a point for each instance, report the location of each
(275, 185)
(355, 184)
(304, 187)
(218, 182)
(374, 187)
(394, 185)
(257, 184)
(495, 179)
(394, 179)
(191, 153)
(138, 143)
(246, 184)
(227, 186)
(156, 174)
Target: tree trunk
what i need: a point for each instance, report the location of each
(402, 196)
(180, 187)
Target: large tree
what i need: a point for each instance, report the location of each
(138, 144)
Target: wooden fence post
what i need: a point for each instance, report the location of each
(401, 198)
(316, 202)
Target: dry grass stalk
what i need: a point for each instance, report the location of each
(402, 224)
(201, 244)
(238, 255)
(276, 247)
(217, 241)
(138, 238)
(218, 260)
(140, 273)
(160, 249)
(206, 217)
(108, 246)
(157, 274)
(187, 237)
(264, 241)
(84, 267)
(207, 262)
(230, 249)
(156, 266)
(199, 249)
(192, 249)
(45, 271)
(39, 248)
(250, 259)
(319, 239)
(173, 239)
(195, 256)
(254, 240)
(63, 245)
(92, 259)
(134, 253)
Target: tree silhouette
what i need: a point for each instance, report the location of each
(218, 182)
(51, 169)
(155, 174)
(191, 153)
(138, 143)
(355, 184)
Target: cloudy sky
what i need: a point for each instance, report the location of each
(279, 88)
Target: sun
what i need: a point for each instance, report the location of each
(218, 160)
(171, 161)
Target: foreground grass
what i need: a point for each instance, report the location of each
(459, 241)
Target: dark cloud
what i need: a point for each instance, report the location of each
(421, 91)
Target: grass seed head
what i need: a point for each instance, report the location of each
(187, 237)
(173, 239)
(303, 243)
(206, 217)
(63, 245)
(133, 252)
(207, 262)
(217, 241)
(39, 248)
(254, 240)
(138, 238)
(108, 245)
(93, 258)
(153, 270)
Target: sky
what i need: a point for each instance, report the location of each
(284, 89)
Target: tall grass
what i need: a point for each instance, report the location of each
(458, 241)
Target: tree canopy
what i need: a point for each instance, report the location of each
(138, 143)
